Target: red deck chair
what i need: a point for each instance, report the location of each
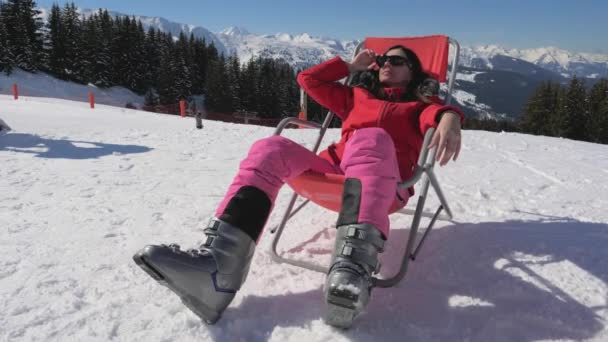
(326, 189)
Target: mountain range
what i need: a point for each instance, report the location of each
(493, 82)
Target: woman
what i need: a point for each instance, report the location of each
(384, 120)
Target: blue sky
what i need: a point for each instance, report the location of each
(579, 26)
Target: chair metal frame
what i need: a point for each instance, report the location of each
(424, 170)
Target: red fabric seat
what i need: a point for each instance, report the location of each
(325, 190)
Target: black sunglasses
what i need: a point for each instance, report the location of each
(394, 60)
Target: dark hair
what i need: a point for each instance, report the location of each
(370, 80)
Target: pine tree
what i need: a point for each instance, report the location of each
(217, 96)
(559, 119)
(213, 59)
(234, 83)
(199, 67)
(182, 55)
(539, 110)
(597, 127)
(152, 58)
(120, 67)
(6, 58)
(55, 42)
(268, 90)
(33, 25)
(166, 76)
(249, 87)
(129, 59)
(15, 34)
(602, 133)
(72, 48)
(572, 113)
(89, 49)
(102, 69)
(578, 110)
(552, 104)
(151, 98)
(597, 94)
(22, 26)
(530, 119)
(135, 50)
(183, 84)
(288, 92)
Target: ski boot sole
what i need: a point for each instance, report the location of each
(341, 309)
(339, 316)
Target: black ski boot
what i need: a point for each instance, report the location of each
(355, 258)
(207, 279)
(349, 281)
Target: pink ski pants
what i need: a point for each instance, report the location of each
(369, 156)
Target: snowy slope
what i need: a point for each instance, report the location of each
(43, 85)
(82, 190)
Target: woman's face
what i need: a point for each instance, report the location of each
(395, 75)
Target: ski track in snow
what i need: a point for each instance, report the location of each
(81, 191)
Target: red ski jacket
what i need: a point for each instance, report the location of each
(405, 122)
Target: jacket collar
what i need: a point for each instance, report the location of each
(394, 93)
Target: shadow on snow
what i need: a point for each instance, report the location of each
(63, 148)
(496, 263)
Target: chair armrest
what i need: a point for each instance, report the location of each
(295, 121)
(422, 161)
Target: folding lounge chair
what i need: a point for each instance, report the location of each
(326, 189)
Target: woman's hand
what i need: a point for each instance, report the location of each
(366, 59)
(447, 138)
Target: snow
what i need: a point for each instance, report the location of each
(353, 289)
(81, 190)
(235, 31)
(558, 60)
(43, 85)
(469, 100)
(300, 50)
(468, 76)
(463, 96)
(464, 301)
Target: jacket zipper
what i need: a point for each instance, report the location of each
(382, 112)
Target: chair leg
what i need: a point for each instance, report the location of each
(278, 230)
(394, 280)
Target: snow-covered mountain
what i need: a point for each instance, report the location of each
(175, 28)
(300, 50)
(303, 49)
(563, 62)
(484, 96)
(163, 24)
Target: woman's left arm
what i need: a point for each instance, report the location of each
(447, 137)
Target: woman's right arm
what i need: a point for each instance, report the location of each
(320, 81)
